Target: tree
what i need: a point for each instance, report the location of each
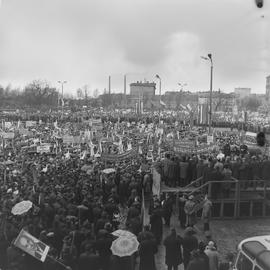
(96, 93)
(251, 103)
(39, 93)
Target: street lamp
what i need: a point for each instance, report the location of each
(62, 85)
(182, 85)
(209, 58)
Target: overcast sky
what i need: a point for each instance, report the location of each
(85, 41)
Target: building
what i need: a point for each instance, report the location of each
(267, 88)
(242, 92)
(143, 89)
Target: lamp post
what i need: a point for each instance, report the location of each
(157, 76)
(182, 86)
(62, 87)
(209, 58)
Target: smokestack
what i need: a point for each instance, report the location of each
(125, 85)
(109, 85)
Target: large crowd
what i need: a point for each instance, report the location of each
(77, 204)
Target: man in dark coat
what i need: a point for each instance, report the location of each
(88, 260)
(167, 206)
(190, 243)
(147, 251)
(173, 243)
(103, 246)
(157, 224)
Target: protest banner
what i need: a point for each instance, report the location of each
(8, 125)
(45, 148)
(30, 123)
(31, 245)
(8, 135)
(68, 139)
(119, 157)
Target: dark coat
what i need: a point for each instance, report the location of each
(173, 250)
(88, 261)
(147, 251)
(157, 225)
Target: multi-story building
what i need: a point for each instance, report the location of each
(143, 89)
(242, 92)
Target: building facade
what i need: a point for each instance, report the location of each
(242, 92)
(143, 89)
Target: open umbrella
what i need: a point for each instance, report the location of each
(124, 246)
(21, 207)
(123, 233)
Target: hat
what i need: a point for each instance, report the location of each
(211, 245)
(191, 197)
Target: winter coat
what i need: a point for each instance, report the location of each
(173, 246)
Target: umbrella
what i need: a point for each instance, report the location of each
(21, 207)
(124, 246)
(108, 171)
(123, 233)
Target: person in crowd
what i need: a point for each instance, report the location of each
(173, 249)
(196, 262)
(211, 252)
(181, 207)
(227, 175)
(167, 207)
(88, 259)
(183, 171)
(190, 243)
(147, 250)
(203, 256)
(157, 223)
(206, 213)
(190, 204)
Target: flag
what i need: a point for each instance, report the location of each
(162, 103)
(31, 245)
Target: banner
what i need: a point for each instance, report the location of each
(45, 148)
(68, 139)
(8, 135)
(119, 157)
(184, 146)
(31, 245)
(210, 139)
(30, 123)
(8, 125)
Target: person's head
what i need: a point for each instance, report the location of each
(201, 246)
(173, 232)
(211, 245)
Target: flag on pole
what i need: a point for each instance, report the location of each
(31, 245)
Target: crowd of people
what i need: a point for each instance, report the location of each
(77, 205)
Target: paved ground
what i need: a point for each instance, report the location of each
(227, 235)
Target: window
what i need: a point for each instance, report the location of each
(244, 263)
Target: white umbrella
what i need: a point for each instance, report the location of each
(123, 233)
(21, 207)
(124, 246)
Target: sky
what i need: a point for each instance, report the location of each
(85, 41)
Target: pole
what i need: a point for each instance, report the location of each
(62, 99)
(159, 98)
(109, 85)
(211, 92)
